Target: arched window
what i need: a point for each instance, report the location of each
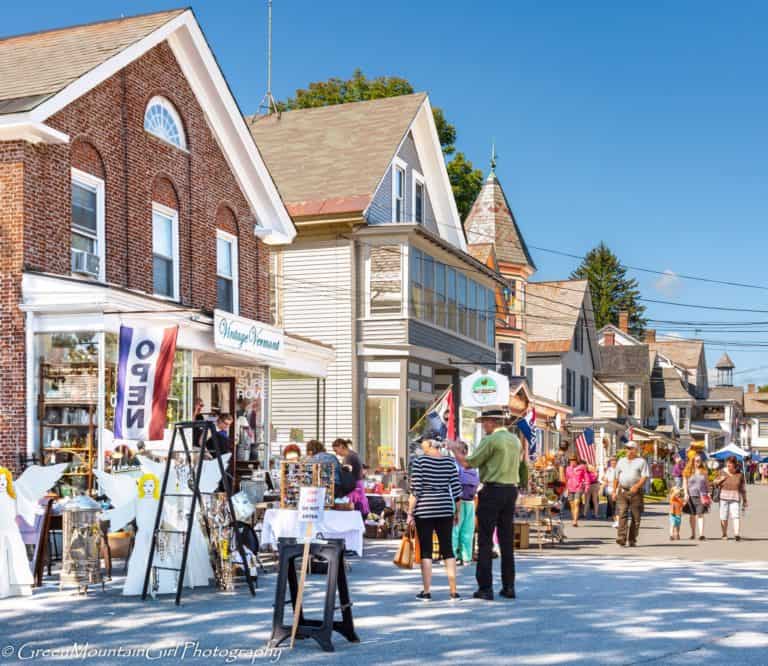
(162, 120)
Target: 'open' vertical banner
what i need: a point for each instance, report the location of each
(144, 370)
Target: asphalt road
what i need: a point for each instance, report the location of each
(580, 604)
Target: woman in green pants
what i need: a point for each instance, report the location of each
(464, 529)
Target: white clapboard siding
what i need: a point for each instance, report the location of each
(317, 304)
(294, 405)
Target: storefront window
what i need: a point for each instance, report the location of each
(67, 381)
(381, 431)
(469, 427)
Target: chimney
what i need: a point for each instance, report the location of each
(624, 321)
(650, 336)
(751, 388)
(609, 339)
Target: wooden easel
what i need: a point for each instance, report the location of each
(302, 581)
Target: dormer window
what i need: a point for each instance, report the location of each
(162, 120)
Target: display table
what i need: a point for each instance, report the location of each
(347, 525)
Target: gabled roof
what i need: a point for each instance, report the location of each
(331, 160)
(756, 402)
(35, 66)
(624, 361)
(725, 362)
(666, 384)
(491, 221)
(551, 312)
(628, 338)
(685, 353)
(42, 73)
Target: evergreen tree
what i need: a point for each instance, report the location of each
(612, 291)
(466, 181)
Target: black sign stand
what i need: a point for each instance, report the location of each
(321, 630)
(198, 428)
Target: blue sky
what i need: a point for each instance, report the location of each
(641, 126)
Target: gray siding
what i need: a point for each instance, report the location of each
(380, 210)
(317, 304)
(427, 336)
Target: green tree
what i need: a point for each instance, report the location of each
(466, 181)
(612, 291)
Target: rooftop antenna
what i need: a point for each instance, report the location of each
(268, 102)
(493, 157)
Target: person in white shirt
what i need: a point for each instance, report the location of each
(628, 484)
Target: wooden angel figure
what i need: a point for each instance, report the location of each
(20, 498)
(137, 501)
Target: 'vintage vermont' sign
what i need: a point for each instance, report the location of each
(246, 336)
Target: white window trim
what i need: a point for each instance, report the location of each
(418, 179)
(223, 235)
(168, 106)
(397, 163)
(93, 182)
(174, 215)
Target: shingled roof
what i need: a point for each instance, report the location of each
(667, 384)
(552, 310)
(330, 159)
(36, 66)
(624, 361)
(685, 353)
(726, 393)
(491, 221)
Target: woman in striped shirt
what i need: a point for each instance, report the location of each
(432, 507)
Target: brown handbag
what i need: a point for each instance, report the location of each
(406, 551)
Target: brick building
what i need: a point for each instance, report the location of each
(130, 191)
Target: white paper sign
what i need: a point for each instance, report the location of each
(311, 504)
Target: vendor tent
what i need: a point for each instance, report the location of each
(731, 450)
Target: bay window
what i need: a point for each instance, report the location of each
(385, 283)
(417, 291)
(463, 327)
(440, 294)
(428, 270)
(452, 322)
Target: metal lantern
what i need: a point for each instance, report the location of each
(82, 544)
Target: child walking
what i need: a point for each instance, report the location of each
(675, 513)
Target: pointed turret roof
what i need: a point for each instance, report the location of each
(491, 221)
(725, 362)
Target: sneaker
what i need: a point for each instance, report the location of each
(702, 538)
(507, 592)
(455, 596)
(621, 543)
(737, 537)
(459, 563)
(424, 596)
(633, 544)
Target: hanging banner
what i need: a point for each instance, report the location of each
(144, 370)
(485, 388)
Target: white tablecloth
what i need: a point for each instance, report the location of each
(347, 525)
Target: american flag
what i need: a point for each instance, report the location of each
(585, 446)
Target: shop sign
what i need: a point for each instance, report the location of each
(485, 388)
(233, 333)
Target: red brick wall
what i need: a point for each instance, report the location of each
(108, 140)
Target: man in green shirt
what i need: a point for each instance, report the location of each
(498, 459)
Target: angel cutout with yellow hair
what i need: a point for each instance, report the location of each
(20, 498)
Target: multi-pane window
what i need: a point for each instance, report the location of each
(462, 298)
(578, 337)
(632, 400)
(428, 270)
(682, 420)
(87, 224)
(452, 322)
(162, 120)
(398, 194)
(570, 387)
(385, 280)
(165, 252)
(226, 272)
(482, 313)
(490, 325)
(440, 295)
(584, 390)
(417, 290)
(471, 309)
(418, 202)
(662, 416)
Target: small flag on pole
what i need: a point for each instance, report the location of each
(585, 446)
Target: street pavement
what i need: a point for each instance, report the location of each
(583, 603)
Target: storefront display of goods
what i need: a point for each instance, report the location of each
(295, 475)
